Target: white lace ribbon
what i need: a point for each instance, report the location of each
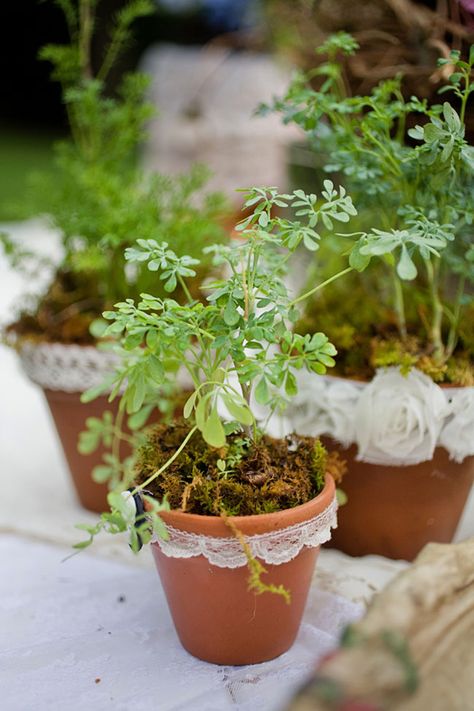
(70, 368)
(394, 420)
(274, 548)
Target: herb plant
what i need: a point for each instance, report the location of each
(236, 346)
(98, 198)
(414, 189)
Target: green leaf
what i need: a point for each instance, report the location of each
(97, 390)
(126, 508)
(101, 473)
(238, 410)
(138, 419)
(200, 413)
(291, 387)
(231, 315)
(451, 117)
(88, 442)
(213, 430)
(171, 284)
(432, 133)
(341, 497)
(310, 243)
(189, 404)
(357, 260)
(406, 268)
(263, 219)
(262, 394)
(98, 327)
(155, 368)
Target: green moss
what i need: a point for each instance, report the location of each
(365, 332)
(259, 477)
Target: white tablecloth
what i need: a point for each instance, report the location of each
(92, 634)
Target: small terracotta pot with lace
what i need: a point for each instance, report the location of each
(64, 372)
(205, 576)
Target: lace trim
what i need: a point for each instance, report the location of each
(70, 368)
(273, 548)
(394, 420)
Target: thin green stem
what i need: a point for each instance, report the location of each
(383, 149)
(117, 433)
(167, 464)
(85, 36)
(453, 331)
(187, 293)
(400, 306)
(437, 311)
(320, 286)
(465, 96)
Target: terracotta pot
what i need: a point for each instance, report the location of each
(216, 617)
(395, 511)
(69, 415)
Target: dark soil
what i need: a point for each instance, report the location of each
(262, 477)
(65, 312)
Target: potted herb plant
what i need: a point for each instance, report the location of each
(99, 201)
(214, 495)
(403, 401)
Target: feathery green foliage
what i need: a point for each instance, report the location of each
(98, 197)
(413, 187)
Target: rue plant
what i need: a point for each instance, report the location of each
(238, 347)
(414, 189)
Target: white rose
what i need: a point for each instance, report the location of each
(322, 406)
(457, 436)
(398, 418)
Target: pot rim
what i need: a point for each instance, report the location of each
(253, 524)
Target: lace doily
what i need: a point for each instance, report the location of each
(70, 368)
(273, 548)
(394, 420)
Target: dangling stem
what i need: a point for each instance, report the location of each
(167, 463)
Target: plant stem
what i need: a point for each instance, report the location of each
(168, 463)
(117, 434)
(85, 34)
(452, 337)
(309, 293)
(465, 96)
(400, 306)
(437, 311)
(187, 293)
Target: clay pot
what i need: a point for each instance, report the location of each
(69, 415)
(394, 511)
(216, 617)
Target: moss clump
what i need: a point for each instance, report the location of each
(241, 479)
(367, 338)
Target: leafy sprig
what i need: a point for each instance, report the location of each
(415, 199)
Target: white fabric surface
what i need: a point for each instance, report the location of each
(63, 625)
